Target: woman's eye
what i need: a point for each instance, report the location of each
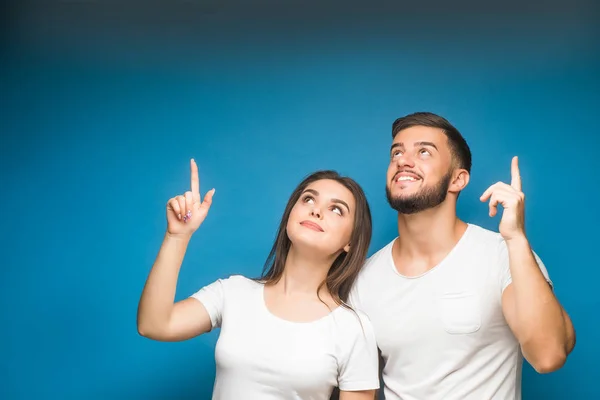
(309, 199)
(337, 210)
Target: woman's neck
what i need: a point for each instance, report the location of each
(303, 274)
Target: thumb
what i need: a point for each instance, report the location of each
(208, 199)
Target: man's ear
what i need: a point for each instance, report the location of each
(460, 180)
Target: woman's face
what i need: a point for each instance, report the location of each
(322, 219)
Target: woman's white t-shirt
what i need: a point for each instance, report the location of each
(261, 356)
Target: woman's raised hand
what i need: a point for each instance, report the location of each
(186, 212)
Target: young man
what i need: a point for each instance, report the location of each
(455, 307)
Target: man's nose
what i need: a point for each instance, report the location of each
(405, 160)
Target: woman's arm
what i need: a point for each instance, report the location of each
(158, 317)
(360, 395)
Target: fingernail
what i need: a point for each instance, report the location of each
(189, 214)
(179, 215)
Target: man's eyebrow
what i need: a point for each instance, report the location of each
(397, 144)
(430, 144)
(400, 144)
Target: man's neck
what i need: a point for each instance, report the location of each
(428, 236)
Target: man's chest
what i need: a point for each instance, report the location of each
(438, 312)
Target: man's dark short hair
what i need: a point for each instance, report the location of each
(458, 145)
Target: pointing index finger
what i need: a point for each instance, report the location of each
(515, 181)
(195, 181)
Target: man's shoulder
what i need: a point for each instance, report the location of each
(375, 265)
(481, 236)
(380, 256)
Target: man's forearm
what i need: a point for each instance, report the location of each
(542, 331)
(570, 340)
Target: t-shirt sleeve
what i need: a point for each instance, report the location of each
(505, 275)
(359, 366)
(212, 298)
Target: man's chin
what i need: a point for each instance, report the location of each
(404, 197)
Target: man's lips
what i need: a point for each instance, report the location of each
(312, 225)
(405, 176)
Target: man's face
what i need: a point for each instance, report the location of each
(420, 169)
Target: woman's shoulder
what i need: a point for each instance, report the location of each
(239, 283)
(353, 319)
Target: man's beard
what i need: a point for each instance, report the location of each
(423, 200)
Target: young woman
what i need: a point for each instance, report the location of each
(289, 334)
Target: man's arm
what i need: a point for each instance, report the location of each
(540, 324)
(530, 308)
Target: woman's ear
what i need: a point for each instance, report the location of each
(347, 248)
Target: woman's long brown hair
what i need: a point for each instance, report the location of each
(346, 267)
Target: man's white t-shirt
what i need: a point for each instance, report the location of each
(261, 356)
(443, 335)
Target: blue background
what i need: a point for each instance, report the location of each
(102, 107)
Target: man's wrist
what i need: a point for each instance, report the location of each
(517, 242)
